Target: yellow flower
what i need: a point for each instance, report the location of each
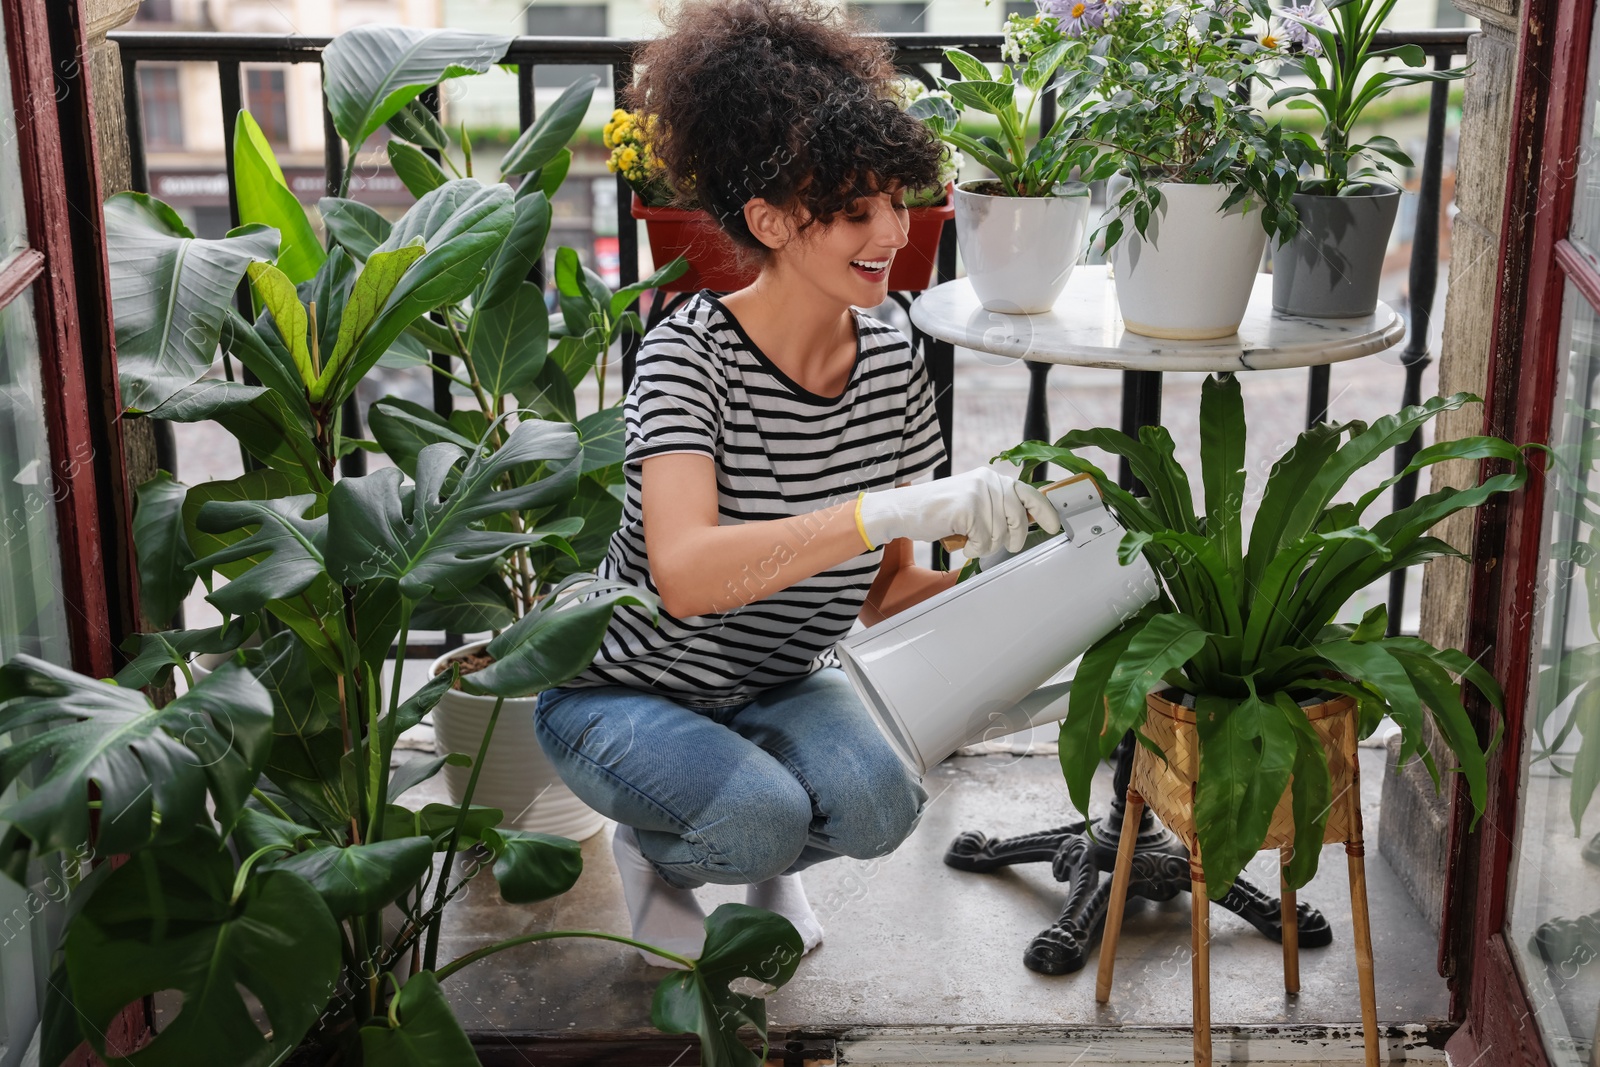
(611, 161)
(627, 159)
(1269, 41)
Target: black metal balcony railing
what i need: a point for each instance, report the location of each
(914, 53)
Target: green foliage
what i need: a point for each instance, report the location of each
(1154, 87)
(259, 807)
(1335, 62)
(1251, 635)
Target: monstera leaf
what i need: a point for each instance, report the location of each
(155, 655)
(530, 867)
(371, 72)
(152, 766)
(169, 294)
(289, 543)
(358, 879)
(423, 536)
(741, 942)
(421, 1030)
(558, 638)
(169, 919)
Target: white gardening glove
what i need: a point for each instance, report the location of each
(986, 507)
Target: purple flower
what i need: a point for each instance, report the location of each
(1075, 16)
(1297, 32)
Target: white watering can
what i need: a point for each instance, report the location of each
(971, 663)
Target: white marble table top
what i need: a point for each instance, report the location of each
(1085, 329)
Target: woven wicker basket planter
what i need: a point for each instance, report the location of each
(1168, 788)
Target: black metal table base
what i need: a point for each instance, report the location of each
(1160, 872)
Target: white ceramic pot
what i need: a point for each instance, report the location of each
(1190, 277)
(1019, 251)
(516, 776)
(972, 663)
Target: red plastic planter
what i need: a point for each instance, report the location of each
(715, 264)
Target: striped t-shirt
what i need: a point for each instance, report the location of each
(701, 385)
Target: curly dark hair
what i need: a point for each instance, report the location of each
(778, 99)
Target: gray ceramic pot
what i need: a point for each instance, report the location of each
(1330, 268)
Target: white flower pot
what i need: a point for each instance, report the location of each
(1190, 278)
(516, 776)
(1019, 251)
(971, 663)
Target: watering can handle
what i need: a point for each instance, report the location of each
(954, 542)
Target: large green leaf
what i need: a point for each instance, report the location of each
(602, 435)
(276, 292)
(156, 655)
(1080, 748)
(520, 253)
(1247, 750)
(264, 197)
(264, 354)
(530, 867)
(558, 638)
(461, 224)
(418, 173)
(354, 225)
(404, 428)
(162, 550)
(508, 341)
(288, 542)
(601, 514)
(551, 131)
(421, 1030)
(1311, 792)
(741, 942)
(416, 124)
(169, 293)
(1288, 478)
(423, 536)
(1222, 441)
(371, 72)
(1164, 643)
(373, 286)
(152, 766)
(360, 879)
(257, 417)
(166, 920)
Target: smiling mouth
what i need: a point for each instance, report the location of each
(873, 269)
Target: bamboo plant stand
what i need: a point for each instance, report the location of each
(1168, 788)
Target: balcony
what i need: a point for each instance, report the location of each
(923, 962)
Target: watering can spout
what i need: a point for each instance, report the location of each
(980, 660)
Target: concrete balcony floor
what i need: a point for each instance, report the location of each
(923, 963)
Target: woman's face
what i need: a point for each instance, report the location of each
(849, 258)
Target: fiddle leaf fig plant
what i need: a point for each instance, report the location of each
(1248, 621)
(276, 875)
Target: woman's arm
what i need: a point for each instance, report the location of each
(702, 568)
(901, 583)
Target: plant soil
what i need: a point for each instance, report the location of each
(470, 663)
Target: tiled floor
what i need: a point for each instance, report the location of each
(929, 952)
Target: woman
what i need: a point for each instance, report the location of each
(771, 439)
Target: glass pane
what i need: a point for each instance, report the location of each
(1586, 197)
(1555, 901)
(13, 215)
(32, 617)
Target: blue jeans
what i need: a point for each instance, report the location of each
(736, 794)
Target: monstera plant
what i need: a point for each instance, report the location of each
(271, 877)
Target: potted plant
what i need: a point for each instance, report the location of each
(914, 264)
(1331, 266)
(1207, 178)
(674, 224)
(269, 867)
(1243, 651)
(1021, 232)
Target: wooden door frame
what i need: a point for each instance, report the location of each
(1488, 994)
(67, 269)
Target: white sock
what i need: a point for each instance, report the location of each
(785, 895)
(662, 914)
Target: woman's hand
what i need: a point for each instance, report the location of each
(987, 507)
